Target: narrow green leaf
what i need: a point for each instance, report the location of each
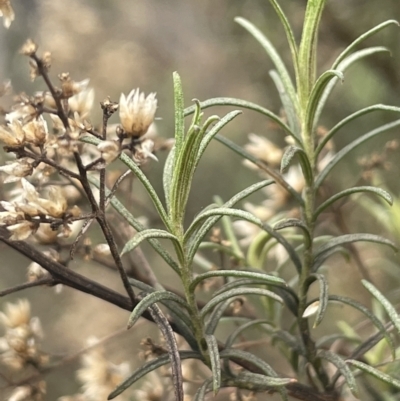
(123, 211)
(346, 63)
(167, 176)
(343, 152)
(289, 248)
(323, 298)
(236, 293)
(214, 131)
(147, 234)
(289, 34)
(256, 253)
(241, 214)
(342, 367)
(193, 238)
(263, 277)
(228, 101)
(213, 353)
(288, 156)
(292, 342)
(182, 176)
(275, 57)
(229, 232)
(389, 308)
(374, 320)
(348, 119)
(219, 211)
(173, 351)
(232, 354)
(361, 38)
(150, 299)
(316, 94)
(255, 381)
(286, 223)
(149, 367)
(308, 49)
(149, 188)
(202, 390)
(289, 107)
(179, 114)
(239, 331)
(236, 354)
(196, 239)
(378, 191)
(271, 172)
(215, 316)
(140, 175)
(348, 239)
(375, 372)
(179, 317)
(285, 292)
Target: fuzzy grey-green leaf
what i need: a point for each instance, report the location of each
(149, 300)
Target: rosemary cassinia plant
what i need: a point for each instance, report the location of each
(285, 304)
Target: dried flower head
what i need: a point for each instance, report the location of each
(144, 151)
(264, 150)
(17, 169)
(109, 150)
(22, 110)
(19, 346)
(82, 102)
(7, 12)
(31, 392)
(70, 87)
(36, 132)
(137, 112)
(99, 376)
(29, 48)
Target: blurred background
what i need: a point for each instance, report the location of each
(121, 45)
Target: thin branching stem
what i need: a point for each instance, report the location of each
(49, 281)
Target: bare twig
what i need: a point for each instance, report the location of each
(42, 281)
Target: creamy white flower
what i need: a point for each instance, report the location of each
(16, 314)
(82, 102)
(137, 112)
